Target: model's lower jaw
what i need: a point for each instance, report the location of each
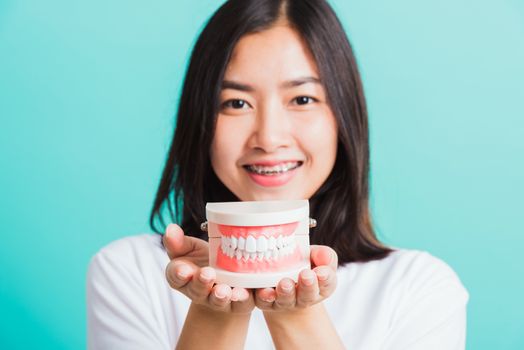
(258, 249)
(258, 265)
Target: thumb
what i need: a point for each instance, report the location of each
(323, 255)
(176, 243)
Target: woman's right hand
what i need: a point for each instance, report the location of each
(189, 273)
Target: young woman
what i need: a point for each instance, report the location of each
(272, 108)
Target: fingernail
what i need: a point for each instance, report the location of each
(322, 275)
(183, 272)
(168, 230)
(239, 294)
(269, 298)
(220, 293)
(206, 276)
(287, 286)
(308, 279)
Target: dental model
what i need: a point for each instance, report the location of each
(256, 244)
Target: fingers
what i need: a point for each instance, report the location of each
(241, 300)
(179, 273)
(198, 284)
(288, 295)
(313, 286)
(264, 298)
(199, 288)
(323, 255)
(327, 280)
(285, 294)
(307, 289)
(190, 280)
(220, 296)
(176, 243)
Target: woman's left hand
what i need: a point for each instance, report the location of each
(313, 285)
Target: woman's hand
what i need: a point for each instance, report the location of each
(189, 273)
(313, 285)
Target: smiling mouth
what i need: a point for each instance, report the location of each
(273, 170)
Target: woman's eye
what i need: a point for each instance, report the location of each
(304, 100)
(235, 104)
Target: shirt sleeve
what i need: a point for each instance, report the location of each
(432, 311)
(119, 312)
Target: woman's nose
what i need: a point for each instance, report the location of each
(272, 129)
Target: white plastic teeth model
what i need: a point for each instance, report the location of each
(275, 169)
(258, 248)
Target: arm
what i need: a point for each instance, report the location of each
(308, 328)
(208, 329)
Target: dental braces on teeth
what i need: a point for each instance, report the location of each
(273, 170)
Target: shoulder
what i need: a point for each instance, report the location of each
(131, 247)
(138, 244)
(420, 270)
(407, 277)
(416, 265)
(402, 266)
(414, 300)
(428, 303)
(129, 255)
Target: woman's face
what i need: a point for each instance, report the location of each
(276, 136)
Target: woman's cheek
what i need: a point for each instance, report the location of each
(226, 149)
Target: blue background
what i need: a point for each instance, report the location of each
(88, 92)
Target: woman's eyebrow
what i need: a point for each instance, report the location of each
(229, 84)
(234, 85)
(300, 81)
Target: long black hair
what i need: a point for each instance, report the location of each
(341, 204)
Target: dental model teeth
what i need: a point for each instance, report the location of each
(241, 243)
(272, 243)
(261, 244)
(280, 242)
(284, 251)
(258, 249)
(251, 244)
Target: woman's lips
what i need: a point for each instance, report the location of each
(273, 180)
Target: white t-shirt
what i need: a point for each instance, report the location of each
(409, 300)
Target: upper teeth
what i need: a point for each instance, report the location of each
(261, 247)
(280, 168)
